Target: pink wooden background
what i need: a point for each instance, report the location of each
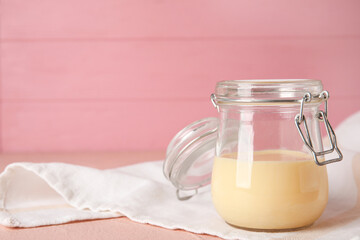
(96, 75)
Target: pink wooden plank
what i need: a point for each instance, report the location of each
(342, 108)
(116, 228)
(112, 125)
(96, 126)
(171, 70)
(197, 18)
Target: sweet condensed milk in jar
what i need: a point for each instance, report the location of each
(263, 156)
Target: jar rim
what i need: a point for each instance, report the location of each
(269, 91)
(272, 81)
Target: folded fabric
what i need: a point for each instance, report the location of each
(53, 193)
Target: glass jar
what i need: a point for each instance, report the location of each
(264, 154)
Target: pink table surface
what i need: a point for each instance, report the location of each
(115, 228)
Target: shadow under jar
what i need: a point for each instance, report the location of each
(269, 168)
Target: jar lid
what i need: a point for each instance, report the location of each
(190, 155)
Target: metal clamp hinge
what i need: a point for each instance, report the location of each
(322, 116)
(214, 102)
(185, 197)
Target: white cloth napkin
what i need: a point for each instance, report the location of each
(53, 193)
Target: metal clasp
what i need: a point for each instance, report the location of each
(185, 197)
(214, 102)
(322, 116)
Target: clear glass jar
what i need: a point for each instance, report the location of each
(268, 171)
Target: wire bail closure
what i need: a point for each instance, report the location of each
(185, 197)
(322, 116)
(213, 101)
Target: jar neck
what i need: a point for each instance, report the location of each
(268, 108)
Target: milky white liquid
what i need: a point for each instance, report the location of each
(279, 189)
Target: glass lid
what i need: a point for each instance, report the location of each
(190, 155)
